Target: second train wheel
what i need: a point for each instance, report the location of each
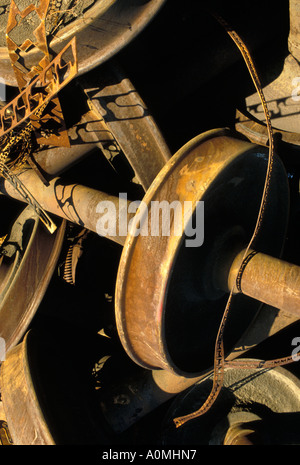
(47, 391)
(29, 256)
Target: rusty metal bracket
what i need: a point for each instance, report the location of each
(41, 90)
(116, 103)
(33, 16)
(30, 104)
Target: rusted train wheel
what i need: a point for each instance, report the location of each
(46, 388)
(29, 258)
(157, 279)
(170, 297)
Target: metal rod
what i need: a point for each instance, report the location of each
(269, 280)
(56, 160)
(76, 203)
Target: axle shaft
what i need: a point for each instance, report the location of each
(269, 280)
(76, 203)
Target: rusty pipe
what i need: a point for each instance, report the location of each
(269, 280)
(77, 204)
(56, 160)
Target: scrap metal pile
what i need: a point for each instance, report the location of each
(149, 231)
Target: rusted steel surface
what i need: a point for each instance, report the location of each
(126, 402)
(113, 97)
(131, 131)
(282, 92)
(85, 136)
(36, 40)
(269, 280)
(73, 202)
(27, 423)
(256, 131)
(35, 388)
(176, 338)
(26, 104)
(34, 268)
(280, 96)
(102, 30)
(27, 197)
(252, 401)
(239, 435)
(118, 123)
(169, 298)
(5, 437)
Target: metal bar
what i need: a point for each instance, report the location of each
(76, 203)
(56, 160)
(84, 137)
(112, 96)
(269, 280)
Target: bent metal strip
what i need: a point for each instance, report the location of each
(62, 69)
